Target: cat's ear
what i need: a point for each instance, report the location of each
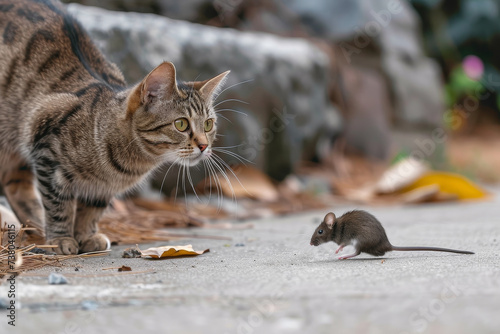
(209, 87)
(160, 81)
(330, 220)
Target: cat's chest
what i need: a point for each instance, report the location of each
(98, 183)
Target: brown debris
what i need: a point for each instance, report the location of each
(27, 260)
(131, 252)
(120, 269)
(124, 268)
(131, 224)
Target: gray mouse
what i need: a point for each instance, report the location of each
(363, 231)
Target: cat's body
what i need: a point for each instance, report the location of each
(70, 128)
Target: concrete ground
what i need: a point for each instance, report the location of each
(274, 282)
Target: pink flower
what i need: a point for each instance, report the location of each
(473, 67)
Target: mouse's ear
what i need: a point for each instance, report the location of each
(330, 219)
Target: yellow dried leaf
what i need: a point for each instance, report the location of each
(450, 184)
(172, 251)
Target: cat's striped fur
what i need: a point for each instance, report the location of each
(72, 135)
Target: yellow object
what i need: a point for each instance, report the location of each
(171, 251)
(449, 183)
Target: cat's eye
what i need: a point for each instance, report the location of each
(181, 124)
(209, 124)
(320, 232)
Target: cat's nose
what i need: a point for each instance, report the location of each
(202, 147)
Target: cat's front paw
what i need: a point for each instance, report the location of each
(97, 242)
(66, 245)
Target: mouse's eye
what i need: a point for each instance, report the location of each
(320, 232)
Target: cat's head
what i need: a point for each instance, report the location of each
(174, 121)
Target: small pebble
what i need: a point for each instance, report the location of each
(239, 245)
(89, 305)
(37, 250)
(55, 278)
(4, 303)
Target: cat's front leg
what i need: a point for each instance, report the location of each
(88, 214)
(59, 222)
(60, 208)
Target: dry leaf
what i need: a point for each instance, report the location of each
(172, 251)
(451, 186)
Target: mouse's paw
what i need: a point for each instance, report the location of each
(340, 249)
(345, 257)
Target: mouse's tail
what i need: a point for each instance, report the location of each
(434, 249)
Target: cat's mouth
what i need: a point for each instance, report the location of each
(195, 159)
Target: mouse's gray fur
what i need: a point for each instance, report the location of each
(362, 230)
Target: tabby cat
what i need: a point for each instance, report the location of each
(72, 135)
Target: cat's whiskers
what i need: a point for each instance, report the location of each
(206, 162)
(178, 177)
(168, 170)
(228, 109)
(205, 172)
(228, 100)
(213, 174)
(227, 119)
(191, 182)
(232, 154)
(184, 179)
(224, 164)
(234, 85)
(224, 175)
(234, 146)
